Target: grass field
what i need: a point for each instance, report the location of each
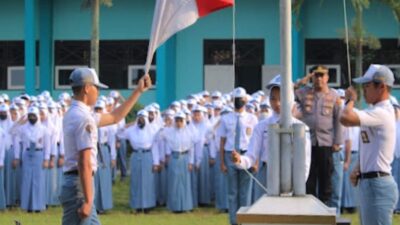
(121, 215)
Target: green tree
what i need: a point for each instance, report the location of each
(94, 6)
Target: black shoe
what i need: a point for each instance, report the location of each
(351, 210)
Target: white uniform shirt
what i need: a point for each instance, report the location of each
(228, 128)
(80, 133)
(6, 126)
(51, 129)
(204, 133)
(38, 135)
(103, 135)
(258, 146)
(377, 133)
(140, 139)
(159, 145)
(182, 140)
(60, 135)
(112, 139)
(397, 148)
(215, 141)
(353, 134)
(2, 147)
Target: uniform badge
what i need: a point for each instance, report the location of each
(89, 128)
(364, 137)
(248, 131)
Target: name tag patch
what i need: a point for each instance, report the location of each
(364, 137)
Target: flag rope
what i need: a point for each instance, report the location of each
(347, 41)
(234, 38)
(233, 64)
(256, 180)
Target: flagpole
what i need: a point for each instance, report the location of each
(234, 39)
(286, 71)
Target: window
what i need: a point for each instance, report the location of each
(249, 58)
(11, 55)
(16, 77)
(396, 72)
(68, 56)
(62, 74)
(333, 52)
(334, 74)
(115, 57)
(135, 72)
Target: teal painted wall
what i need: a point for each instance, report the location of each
(326, 20)
(126, 19)
(12, 20)
(258, 20)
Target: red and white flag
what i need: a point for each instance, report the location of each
(171, 16)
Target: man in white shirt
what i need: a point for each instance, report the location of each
(80, 142)
(258, 146)
(377, 188)
(235, 130)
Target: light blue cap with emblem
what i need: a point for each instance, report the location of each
(377, 73)
(82, 76)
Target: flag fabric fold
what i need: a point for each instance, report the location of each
(171, 16)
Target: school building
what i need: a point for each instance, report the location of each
(46, 39)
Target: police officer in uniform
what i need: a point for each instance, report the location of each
(80, 140)
(319, 109)
(377, 188)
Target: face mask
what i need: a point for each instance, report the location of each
(239, 103)
(141, 124)
(3, 116)
(151, 118)
(32, 121)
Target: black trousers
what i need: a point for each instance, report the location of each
(319, 181)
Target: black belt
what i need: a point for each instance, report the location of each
(36, 149)
(180, 153)
(373, 174)
(241, 151)
(143, 151)
(74, 172)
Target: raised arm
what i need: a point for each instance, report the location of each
(119, 113)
